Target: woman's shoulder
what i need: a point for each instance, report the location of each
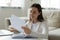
(43, 23)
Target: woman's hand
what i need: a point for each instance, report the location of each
(26, 30)
(13, 30)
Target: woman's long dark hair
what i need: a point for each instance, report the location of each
(38, 6)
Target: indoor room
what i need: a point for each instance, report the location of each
(37, 19)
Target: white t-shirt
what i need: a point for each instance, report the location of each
(34, 27)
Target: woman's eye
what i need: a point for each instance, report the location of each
(34, 12)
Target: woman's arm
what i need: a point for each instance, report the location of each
(41, 33)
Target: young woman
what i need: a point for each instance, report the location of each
(36, 26)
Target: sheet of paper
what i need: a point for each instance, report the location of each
(17, 23)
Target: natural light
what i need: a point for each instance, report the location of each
(11, 3)
(50, 3)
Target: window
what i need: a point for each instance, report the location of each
(11, 3)
(50, 3)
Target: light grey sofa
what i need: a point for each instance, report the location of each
(53, 20)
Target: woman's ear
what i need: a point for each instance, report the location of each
(39, 13)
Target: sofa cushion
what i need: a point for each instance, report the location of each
(54, 35)
(51, 28)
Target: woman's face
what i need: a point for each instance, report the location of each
(34, 13)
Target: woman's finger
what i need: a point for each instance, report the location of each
(25, 28)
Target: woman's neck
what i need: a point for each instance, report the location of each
(35, 21)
